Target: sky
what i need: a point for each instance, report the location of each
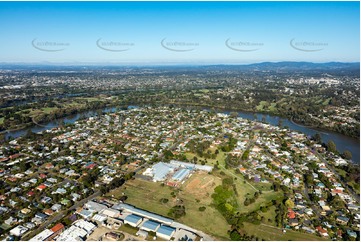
(174, 32)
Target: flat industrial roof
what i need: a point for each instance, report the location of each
(181, 174)
(150, 225)
(160, 170)
(42, 235)
(166, 230)
(133, 218)
(156, 217)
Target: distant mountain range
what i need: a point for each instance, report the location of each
(306, 65)
(290, 65)
(263, 66)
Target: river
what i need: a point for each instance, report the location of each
(342, 142)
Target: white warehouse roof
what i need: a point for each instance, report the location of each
(42, 235)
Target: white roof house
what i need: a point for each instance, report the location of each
(19, 230)
(99, 218)
(78, 231)
(72, 233)
(111, 212)
(94, 206)
(87, 226)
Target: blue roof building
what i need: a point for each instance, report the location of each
(191, 166)
(165, 232)
(181, 174)
(143, 213)
(85, 213)
(133, 220)
(150, 226)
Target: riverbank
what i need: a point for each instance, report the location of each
(342, 142)
(231, 109)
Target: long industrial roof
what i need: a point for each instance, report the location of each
(191, 166)
(140, 212)
(180, 175)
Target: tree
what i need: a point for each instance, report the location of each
(195, 159)
(317, 138)
(289, 203)
(233, 114)
(276, 186)
(347, 155)
(24, 166)
(264, 209)
(263, 118)
(235, 236)
(245, 155)
(202, 209)
(177, 211)
(331, 146)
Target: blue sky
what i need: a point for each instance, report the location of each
(192, 32)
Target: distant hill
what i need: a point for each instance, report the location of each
(292, 66)
(285, 66)
(288, 65)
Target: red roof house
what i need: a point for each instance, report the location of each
(31, 193)
(41, 187)
(291, 214)
(42, 176)
(322, 231)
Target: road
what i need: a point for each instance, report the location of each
(200, 233)
(314, 207)
(349, 191)
(60, 215)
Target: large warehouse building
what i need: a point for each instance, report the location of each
(163, 171)
(130, 209)
(133, 220)
(191, 166)
(150, 226)
(181, 174)
(159, 171)
(166, 232)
